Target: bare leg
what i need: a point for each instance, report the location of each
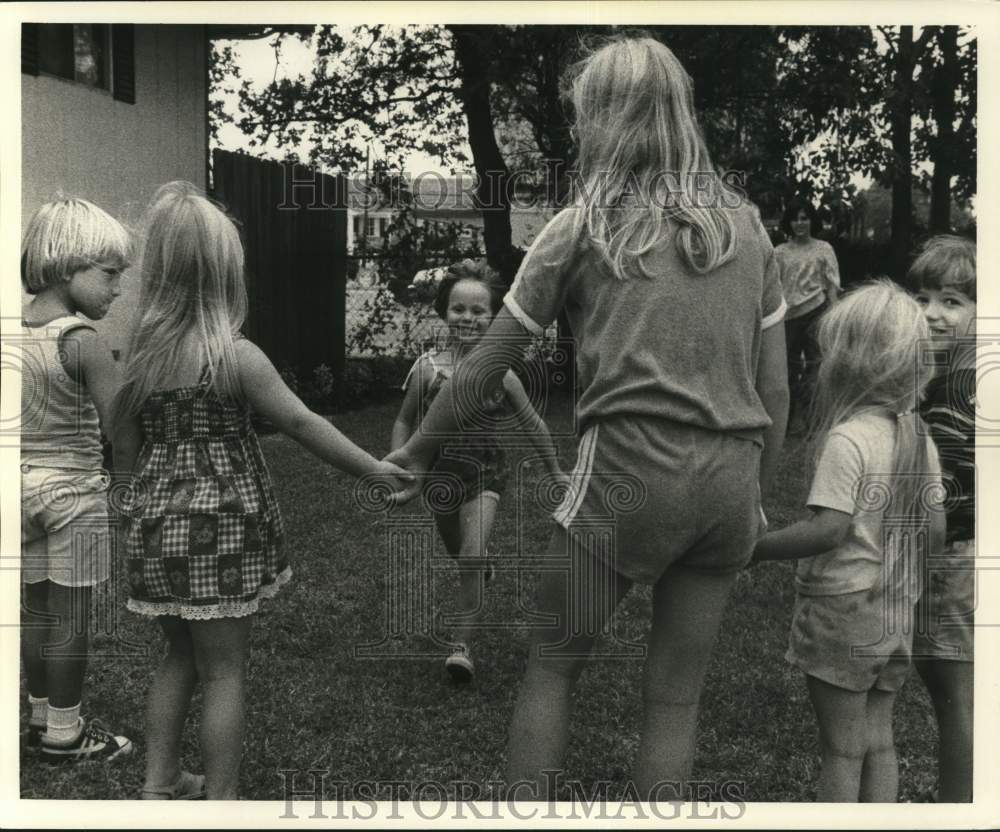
(950, 685)
(65, 655)
(167, 704)
(475, 523)
(221, 650)
(37, 630)
(582, 597)
(843, 728)
(687, 609)
(880, 770)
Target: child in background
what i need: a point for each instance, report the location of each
(672, 292)
(204, 535)
(810, 281)
(475, 464)
(858, 574)
(71, 261)
(944, 279)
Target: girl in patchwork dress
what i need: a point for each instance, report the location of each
(202, 533)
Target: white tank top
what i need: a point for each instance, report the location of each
(59, 423)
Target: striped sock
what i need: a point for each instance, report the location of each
(39, 711)
(63, 725)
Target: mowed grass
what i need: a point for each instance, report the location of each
(393, 715)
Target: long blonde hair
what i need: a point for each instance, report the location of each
(871, 358)
(634, 127)
(192, 290)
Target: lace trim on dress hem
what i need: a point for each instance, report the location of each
(226, 609)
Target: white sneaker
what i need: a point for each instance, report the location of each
(459, 665)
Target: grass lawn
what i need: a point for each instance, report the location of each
(395, 717)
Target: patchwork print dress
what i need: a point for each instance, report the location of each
(202, 530)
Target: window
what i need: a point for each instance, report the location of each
(77, 51)
(357, 226)
(381, 226)
(95, 55)
(370, 227)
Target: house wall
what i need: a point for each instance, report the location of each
(79, 141)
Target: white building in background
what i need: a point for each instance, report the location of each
(436, 200)
(109, 113)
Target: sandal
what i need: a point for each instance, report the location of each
(188, 787)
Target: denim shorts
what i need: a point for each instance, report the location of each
(65, 534)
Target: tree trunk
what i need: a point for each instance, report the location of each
(471, 51)
(943, 89)
(901, 105)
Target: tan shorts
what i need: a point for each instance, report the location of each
(946, 609)
(649, 493)
(65, 536)
(852, 641)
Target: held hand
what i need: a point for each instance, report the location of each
(398, 479)
(412, 469)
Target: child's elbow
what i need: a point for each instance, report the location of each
(297, 425)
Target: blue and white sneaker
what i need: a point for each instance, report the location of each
(94, 743)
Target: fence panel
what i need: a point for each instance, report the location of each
(294, 229)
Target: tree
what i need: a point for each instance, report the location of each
(399, 85)
(472, 56)
(892, 93)
(947, 132)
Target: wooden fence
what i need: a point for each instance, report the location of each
(294, 228)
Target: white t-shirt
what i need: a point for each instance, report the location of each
(853, 476)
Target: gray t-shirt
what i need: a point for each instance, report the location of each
(679, 346)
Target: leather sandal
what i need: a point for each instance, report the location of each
(188, 787)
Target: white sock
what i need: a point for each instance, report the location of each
(63, 725)
(39, 711)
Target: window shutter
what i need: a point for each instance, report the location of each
(29, 48)
(123, 62)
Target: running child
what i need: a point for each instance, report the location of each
(203, 535)
(71, 262)
(944, 279)
(873, 518)
(475, 466)
(672, 292)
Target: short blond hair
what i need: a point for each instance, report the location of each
(66, 236)
(946, 260)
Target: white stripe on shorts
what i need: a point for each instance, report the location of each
(580, 479)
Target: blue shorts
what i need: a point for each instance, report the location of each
(648, 493)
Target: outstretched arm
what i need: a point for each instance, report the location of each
(824, 530)
(405, 424)
(531, 423)
(269, 396)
